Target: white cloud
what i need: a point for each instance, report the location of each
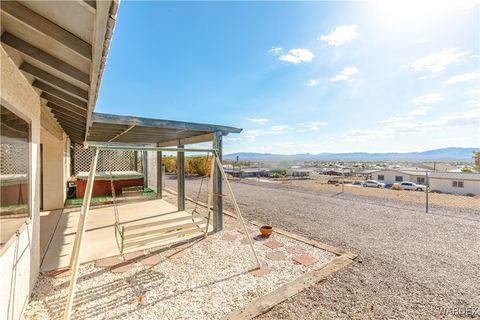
(279, 128)
(474, 91)
(340, 35)
(393, 127)
(312, 83)
(420, 111)
(427, 99)
(258, 120)
(439, 61)
(312, 125)
(275, 50)
(297, 56)
(463, 78)
(346, 74)
(251, 135)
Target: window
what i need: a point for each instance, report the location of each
(420, 180)
(398, 178)
(457, 184)
(381, 177)
(14, 173)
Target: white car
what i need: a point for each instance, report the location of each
(407, 185)
(373, 184)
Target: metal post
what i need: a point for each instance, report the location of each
(181, 179)
(159, 174)
(217, 185)
(145, 168)
(343, 182)
(426, 191)
(77, 246)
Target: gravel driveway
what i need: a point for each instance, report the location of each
(410, 264)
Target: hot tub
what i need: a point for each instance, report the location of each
(101, 185)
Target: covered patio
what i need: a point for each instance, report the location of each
(147, 222)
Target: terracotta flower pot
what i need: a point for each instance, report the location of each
(266, 231)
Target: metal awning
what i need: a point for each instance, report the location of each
(135, 130)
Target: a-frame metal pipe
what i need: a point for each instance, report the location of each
(217, 184)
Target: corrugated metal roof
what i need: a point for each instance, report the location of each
(136, 130)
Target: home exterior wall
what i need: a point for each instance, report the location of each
(54, 175)
(445, 185)
(389, 176)
(20, 258)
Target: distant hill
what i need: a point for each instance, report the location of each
(443, 154)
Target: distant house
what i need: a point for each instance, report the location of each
(390, 176)
(437, 166)
(246, 172)
(296, 172)
(455, 182)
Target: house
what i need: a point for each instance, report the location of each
(390, 176)
(437, 166)
(52, 57)
(297, 172)
(455, 182)
(247, 172)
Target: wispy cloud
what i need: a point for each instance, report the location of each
(439, 61)
(463, 78)
(297, 56)
(258, 120)
(420, 111)
(427, 99)
(251, 135)
(346, 74)
(279, 128)
(312, 83)
(340, 35)
(393, 127)
(313, 125)
(275, 50)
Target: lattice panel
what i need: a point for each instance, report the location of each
(13, 158)
(115, 160)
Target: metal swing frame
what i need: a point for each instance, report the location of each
(84, 211)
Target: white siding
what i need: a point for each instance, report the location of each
(389, 176)
(445, 186)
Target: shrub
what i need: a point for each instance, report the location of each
(170, 164)
(470, 195)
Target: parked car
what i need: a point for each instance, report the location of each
(407, 185)
(373, 184)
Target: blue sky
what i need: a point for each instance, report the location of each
(303, 76)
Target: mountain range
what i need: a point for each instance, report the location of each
(443, 154)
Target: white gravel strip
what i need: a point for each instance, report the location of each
(208, 282)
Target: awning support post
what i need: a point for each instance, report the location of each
(159, 174)
(181, 179)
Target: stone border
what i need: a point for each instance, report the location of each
(268, 301)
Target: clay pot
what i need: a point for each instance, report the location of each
(266, 231)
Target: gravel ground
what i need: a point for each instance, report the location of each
(209, 281)
(410, 264)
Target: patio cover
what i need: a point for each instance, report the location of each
(135, 130)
